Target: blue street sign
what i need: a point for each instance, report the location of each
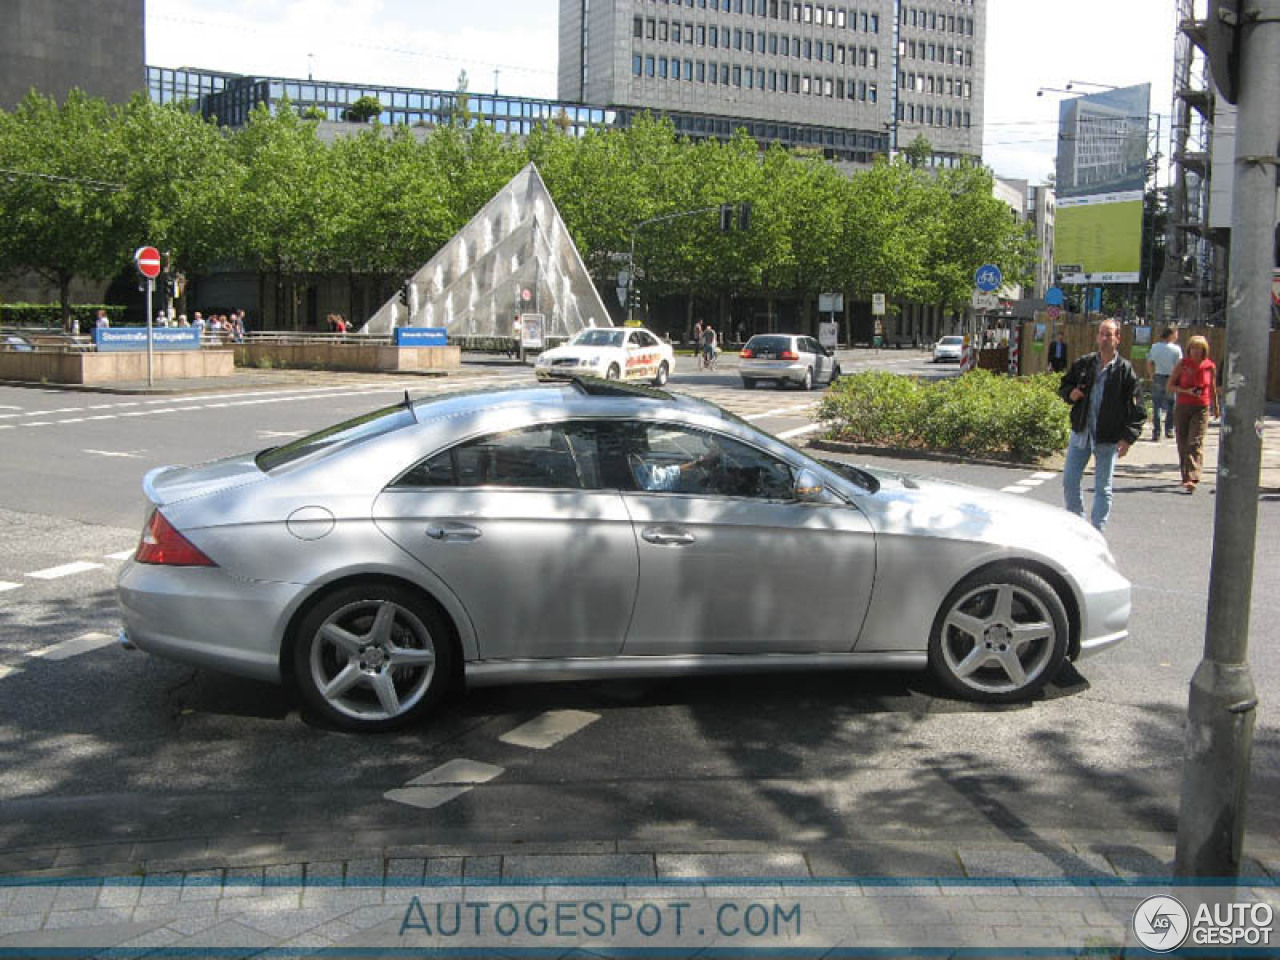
(135, 338)
(988, 278)
(421, 337)
(1053, 297)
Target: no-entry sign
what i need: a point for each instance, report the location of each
(147, 260)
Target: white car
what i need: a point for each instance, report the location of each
(948, 348)
(612, 353)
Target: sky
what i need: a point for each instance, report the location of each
(426, 43)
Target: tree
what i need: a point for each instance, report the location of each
(364, 109)
(64, 209)
(919, 151)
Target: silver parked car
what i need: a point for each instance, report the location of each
(596, 529)
(787, 358)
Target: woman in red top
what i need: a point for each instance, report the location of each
(1194, 383)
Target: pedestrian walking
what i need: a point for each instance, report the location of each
(1106, 418)
(697, 341)
(709, 345)
(1194, 383)
(1164, 356)
(102, 321)
(1058, 354)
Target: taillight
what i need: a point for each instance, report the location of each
(747, 353)
(162, 544)
(790, 355)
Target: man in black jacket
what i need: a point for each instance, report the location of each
(1106, 418)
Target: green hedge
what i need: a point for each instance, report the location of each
(979, 414)
(50, 314)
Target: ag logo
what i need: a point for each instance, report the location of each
(1161, 924)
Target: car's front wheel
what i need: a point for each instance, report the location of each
(807, 382)
(1000, 636)
(663, 373)
(372, 657)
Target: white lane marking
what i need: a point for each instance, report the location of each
(1032, 481)
(446, 782)
(799, 431)
(110, 453)
(53, 573)
(1043, 475)
(6, 406)
(6, 585)
(74, 647)
(781, 411)
(122, 555)
(279, 433)
(546, 731)
(459, 770)
(1015, 489)
(6, 671)
(425, 798)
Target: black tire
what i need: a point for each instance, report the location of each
(663, 373)
(807, 382)
(613, 373)
(380, 694)
(749, 383)
(971, 648)
(835, 375)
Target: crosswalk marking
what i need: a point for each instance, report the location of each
(53, 573)
(6, 585)
(458, 770)
(121, 555)
(425, 798)
(546, 731)
(799, 431)
(1016, 488)
(73, 647)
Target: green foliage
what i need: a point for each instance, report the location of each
(50, 315)
(364, 109)
(979, 414)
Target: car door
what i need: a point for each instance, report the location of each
(822, 363)
(642, 355)
(517, 526)
(730, 562)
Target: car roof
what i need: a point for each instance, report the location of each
(577, 395)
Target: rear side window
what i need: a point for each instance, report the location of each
(556, 456)
(769, 344)
(338, 437)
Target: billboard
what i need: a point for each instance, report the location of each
(1102, 163)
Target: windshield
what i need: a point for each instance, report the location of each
(598, 337)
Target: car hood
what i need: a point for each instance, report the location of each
(173, 484)
(924, 506)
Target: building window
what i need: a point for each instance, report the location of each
(783, 80)
(637, 27)
(737, 39)
(828, 88)
(648, 66)
(702, 72)
(808, 13)
(840, 15)
(675, 33)
(724, 74)
(713, 74)
(871, 92)
(662, 67)
(808, 49)
(751, 42)
(806, 85)
(637, 66)
(875, 23)
(650, 27)
(662, 29)
(773, 80)
(773, 43)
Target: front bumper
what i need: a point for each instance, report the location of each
(205, 617)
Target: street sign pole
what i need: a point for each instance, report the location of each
(151, 286)
(1223, 702)
(147, 261)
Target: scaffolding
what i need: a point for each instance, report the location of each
(1192, 286)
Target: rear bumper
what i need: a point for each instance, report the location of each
(204, 617)
(765, 370)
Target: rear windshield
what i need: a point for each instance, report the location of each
(769, 344)
(362, 428)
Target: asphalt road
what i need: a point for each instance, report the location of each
(97, 744)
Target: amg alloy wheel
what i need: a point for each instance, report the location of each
(1000, 636)
(663, 372)
(372, 657)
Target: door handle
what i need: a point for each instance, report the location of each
(453, 532)
(668, 535)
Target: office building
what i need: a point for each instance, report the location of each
(849, 80)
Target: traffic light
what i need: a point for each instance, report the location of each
(726, 217)
(633, 298)
(744, 215)
(404, 293)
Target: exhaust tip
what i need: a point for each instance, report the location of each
(122, 638)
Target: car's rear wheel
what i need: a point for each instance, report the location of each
(372, 657)
(1000, 636)
(613, 373)
(663, 372)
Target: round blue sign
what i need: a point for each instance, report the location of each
(1053, 297)
(988, 278)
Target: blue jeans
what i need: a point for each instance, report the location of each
(1104, 468)
(1161, 403)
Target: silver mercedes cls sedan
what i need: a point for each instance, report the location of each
(596, 529)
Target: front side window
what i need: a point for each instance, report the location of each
(667, 458)
(558, 456)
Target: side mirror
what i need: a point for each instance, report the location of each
(809, 489)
